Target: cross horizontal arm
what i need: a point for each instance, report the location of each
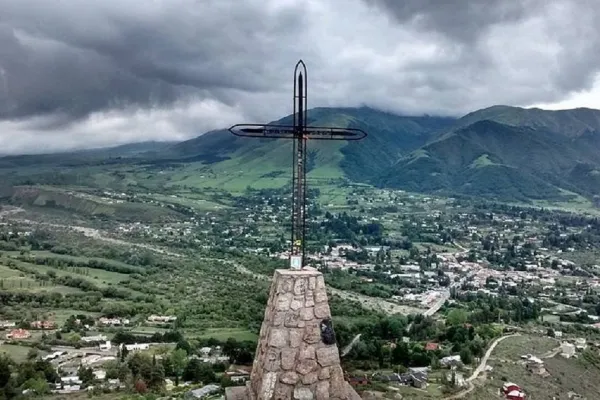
(289, 132)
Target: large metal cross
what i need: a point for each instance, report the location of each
(300, 132)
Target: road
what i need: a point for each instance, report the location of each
(438, 304)
(480, 368)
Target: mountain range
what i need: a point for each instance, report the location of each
(501, 152)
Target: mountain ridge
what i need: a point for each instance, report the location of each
(501, 152)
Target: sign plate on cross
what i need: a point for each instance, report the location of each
(295, 262)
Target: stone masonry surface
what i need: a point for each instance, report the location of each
(291, 360)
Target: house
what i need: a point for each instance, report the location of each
(97, 338)
(515, 395)
(70, 380)
(431, 346)
(136, 346)
(105, 346)
(7, 324)
(162, 318)
(419, 380)
(509, 387)
(451, 361)
(536, 367)
(580, 344)
(112, 321)
(202, 393)
(99, 374)
(567, 350)
(18, 334)
(43, 325)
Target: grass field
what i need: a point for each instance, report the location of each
(16, 352)
(513, 348)
(224, 334)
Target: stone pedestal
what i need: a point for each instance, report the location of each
(292, 360)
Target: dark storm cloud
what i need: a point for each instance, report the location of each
(75, 57)
(572, 24)
(88, 73)
(460, 20)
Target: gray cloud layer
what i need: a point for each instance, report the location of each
(79, 73)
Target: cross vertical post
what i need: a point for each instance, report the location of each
(299, 132)
(299, 166)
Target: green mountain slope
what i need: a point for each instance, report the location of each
(491, 159)
(571, 123)
(243, 161)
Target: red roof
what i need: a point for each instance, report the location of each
(432, 346)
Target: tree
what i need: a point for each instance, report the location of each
(157, 378)
(32, 354)
(197, 371)
(456, 317)
(178, 361)
(466, 356)
(86, 375)
(124, 353)
(4, 370)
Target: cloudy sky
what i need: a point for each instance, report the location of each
(83, 73)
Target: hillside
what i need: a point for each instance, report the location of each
(389, 137)
(505, 153)
(571, 123)
(506, 162)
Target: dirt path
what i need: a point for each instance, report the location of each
(480, 368)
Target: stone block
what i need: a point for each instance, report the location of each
(322, 392)
(320, 296)
(288, 358)
(290, 378)
(303, 393)
(322, 311)
(283, 391)
(297, 303)
(303, 367)
(271, 360)
(324, 373)
(291, 319)
(300, 287)
(337, 384)
(307, 352)
(309, 378)
(268, 385)
(312, 283)
(278, 318)
(296, 337)
(307, 313)
(312, 334)
(284, 301)
(309, 299)
(328, 356)
(278, 338)
(320, 282)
